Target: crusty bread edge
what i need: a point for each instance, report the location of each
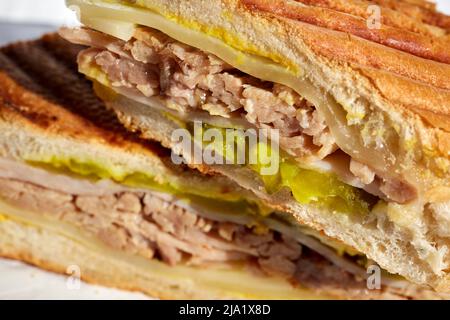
(22, 141)
(351, 81)
(52, 252)
(57, 253)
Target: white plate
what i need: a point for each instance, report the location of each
(20, 281)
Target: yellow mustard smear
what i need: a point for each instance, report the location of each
(226, 36)
(3, 218)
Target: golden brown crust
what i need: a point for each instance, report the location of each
(41, 88)
(398, 61)
(414, 15)
(341, 47)
(407, 73)
(389, 17)
(425, 46)
(430, 102)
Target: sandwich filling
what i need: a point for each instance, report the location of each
(349, 158)
(193, 83)
(187, 80)
(160, 226)
(80, 168)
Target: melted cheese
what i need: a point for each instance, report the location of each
(100, 14)
(94, 13)
(118, 19)
(231, 50)
(234, 282)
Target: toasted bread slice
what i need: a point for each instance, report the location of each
(47, 108)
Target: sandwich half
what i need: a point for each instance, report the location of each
(78, 189)
(361, 107)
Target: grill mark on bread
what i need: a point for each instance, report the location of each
(345, 48)
(348, 49)
(396, 12)
(11, 67)
(65, 87)
(41, 78)
(63, 53)
(433, 48)
(40, 119)
(427, 4)
(389, 17)
(421, 11)
(435, 113)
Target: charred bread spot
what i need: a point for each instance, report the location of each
(42, 85)
(435, 48)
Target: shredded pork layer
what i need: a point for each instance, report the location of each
(188, 78)
(154, 65)
(158, 226)
(145, 224)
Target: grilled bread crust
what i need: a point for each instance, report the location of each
(398, 56)
(45, 104)
(400, 70)
(399, 75)
(47, 107)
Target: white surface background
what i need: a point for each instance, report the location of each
(19, 281)
(35, 11)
